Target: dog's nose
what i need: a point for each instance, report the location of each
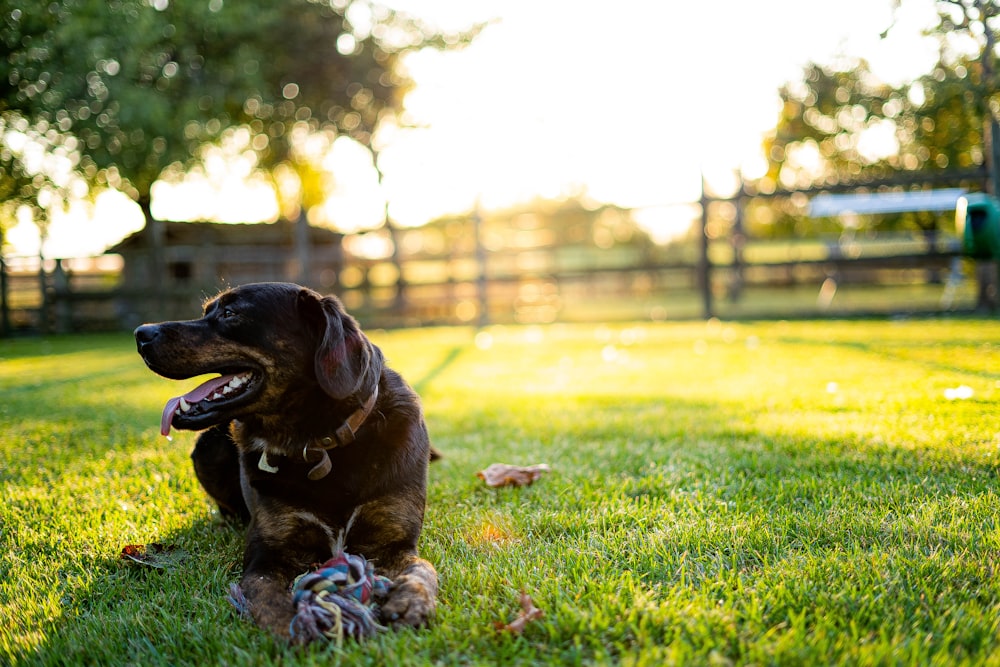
(145, 334)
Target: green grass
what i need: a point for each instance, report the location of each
(772, 493)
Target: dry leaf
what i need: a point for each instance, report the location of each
(529, 612)
(155, 555)
(501, 474)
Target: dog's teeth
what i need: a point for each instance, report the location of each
(184, 406)
(216, 396)
(227, 389)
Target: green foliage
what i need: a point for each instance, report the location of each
(824, 130)
(828, 120)
(783, 493)
(139, 85)
(965, 16)
(825, 114)
(946, 131)
(936, 123)
(841, 124)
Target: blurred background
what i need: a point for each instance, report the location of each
(476, 162)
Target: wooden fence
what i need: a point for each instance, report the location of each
(462, 282)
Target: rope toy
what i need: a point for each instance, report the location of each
(339, 599)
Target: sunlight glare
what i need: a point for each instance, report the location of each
(484, 340)
(357, 201)
(372, 245)
(230, 199)
(666, 224)
(960, 393)
(562, 99)
(878, 141)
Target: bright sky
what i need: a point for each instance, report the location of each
(630, 100)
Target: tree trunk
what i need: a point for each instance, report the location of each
(157, 278)
(399, 304)
(300, 242)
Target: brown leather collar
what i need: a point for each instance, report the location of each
(315, 451)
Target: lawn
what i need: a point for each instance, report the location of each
(752, 493)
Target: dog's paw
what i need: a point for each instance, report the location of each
(410, 603)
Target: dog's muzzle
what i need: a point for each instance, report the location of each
(145, 335)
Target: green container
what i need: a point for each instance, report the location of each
(977, 218)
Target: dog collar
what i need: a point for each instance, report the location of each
(315, 452)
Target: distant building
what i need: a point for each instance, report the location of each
(194, 260)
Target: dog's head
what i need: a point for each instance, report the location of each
(273, 344)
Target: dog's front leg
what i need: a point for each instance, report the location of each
(413, 592)
(277, 551)
(269, 601)
(385, 531)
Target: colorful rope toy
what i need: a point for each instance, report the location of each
(339, 599)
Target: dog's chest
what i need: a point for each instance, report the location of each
(291, 479)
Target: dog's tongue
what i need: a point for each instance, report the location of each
(199, 393)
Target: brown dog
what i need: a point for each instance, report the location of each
(309, 437)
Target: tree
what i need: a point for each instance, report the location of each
(37, 161)
(819, 136)
(824, 136)
(944, 120)
(830, 120)
(137, 86)
(977, 22)
(843, 125)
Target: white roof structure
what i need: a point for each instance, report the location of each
(825, 205)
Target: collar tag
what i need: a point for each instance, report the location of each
(321, 460)
(264, 465)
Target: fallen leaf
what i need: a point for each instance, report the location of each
(501, 474)
(155, 555)
(529, 612)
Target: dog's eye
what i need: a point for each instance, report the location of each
(228, 313)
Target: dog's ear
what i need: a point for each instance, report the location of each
(346, 362)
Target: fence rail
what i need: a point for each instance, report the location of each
(778, 280)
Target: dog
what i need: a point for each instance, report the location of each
(308, 437)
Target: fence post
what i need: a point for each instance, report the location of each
(704, 262)
(156, 229)
(482, 286)
(738, 239)
(61, 299)
(988, 271)
(400, 304)
(4, 295)
(43, 291)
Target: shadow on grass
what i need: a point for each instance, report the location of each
(895, 353)
(630, 433)
(47, 435)
(447, 360)
(140, 615)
